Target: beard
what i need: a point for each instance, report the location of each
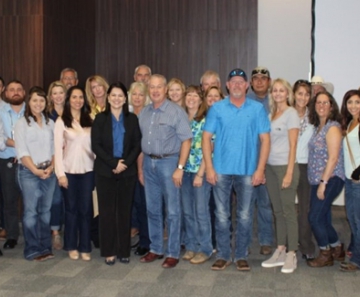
(18, 100)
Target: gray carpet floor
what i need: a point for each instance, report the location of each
(64, 277)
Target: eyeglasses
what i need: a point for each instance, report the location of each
(302, 81)
(326, 103)
(260, 71)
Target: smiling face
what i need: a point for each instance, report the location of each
(212, 97)
(302, 97)
(237, 86)
(210, 81)
(142, 75)
(37, 104)
(323, 106)
(76, 100)
(260, 84)
(15, 93)
(97, 89)
(279, 93)
(116, 99)
(175, 93)
(192, 101)
(353, 106)
(58, 96)
(157, 90)
(138, 98)
(68, 79)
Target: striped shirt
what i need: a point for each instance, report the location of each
(163, 129)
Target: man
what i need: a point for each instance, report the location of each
(69, 77)
(260, 84)
(2, 227)
(2, 88)
(240, 125)
(209, 79)
(142, 74)
(166, 141)
(9, 114)
(319, 85)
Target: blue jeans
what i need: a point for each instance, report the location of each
(244, 209)
(352, 200)
(195, 205)
(158, 184)
(264, 215)
(57, 208)
(37, 197)
(320, 212)
(78, 212)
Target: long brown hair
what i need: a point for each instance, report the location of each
(201, 113)
(41, 93)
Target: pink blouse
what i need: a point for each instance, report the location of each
(73, 152)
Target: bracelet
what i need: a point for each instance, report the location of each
(199, 175)
(323, 181)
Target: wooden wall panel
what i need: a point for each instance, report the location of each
(178, 38)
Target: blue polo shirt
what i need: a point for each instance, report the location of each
(237, 132)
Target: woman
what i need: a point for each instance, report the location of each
(195, 190)
(282, 174)
(350, 111)
(302, 91)
(35, 152)
(138, 99)
(56, 95)
(74, 163)
(212, 95)
(96, 87)
(326, 176)
(116, 141)
(176, 91)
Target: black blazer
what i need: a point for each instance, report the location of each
(102, 145)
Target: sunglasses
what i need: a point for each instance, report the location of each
(260, 71)
(303, 81)
(237, 72)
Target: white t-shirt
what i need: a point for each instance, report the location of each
(280, 147)
(353, 138)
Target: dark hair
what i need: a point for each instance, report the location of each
(214, 88)
(346, 116)
(334, 112)
(3, 82)
(41, 93)
(201, 113)
(121, 86)
(85, 119)
(302, 83)
(14, 81)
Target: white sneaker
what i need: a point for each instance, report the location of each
(277, 259)
(290, 263)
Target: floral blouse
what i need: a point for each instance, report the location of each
(195, 157)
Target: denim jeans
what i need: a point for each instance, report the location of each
(37, 197)
(244, 209)
(78, 212)
(139, 215)
(158, 185)
(352, 202)
(264, 215)
(195, 205)
(320, 212)
(57, 209)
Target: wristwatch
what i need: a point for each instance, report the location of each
(180, 167)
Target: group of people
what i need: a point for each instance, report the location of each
(162, 157)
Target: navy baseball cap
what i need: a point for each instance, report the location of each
(237, 72)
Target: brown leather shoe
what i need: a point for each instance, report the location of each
(324, 258)
(220, 264)
(2, 234)
(170, 262)
(150, 257)
(265, 250)
(338, 252)
(242, 265)
(348, 267)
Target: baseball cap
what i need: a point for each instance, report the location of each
(260, 70)
(237, 72)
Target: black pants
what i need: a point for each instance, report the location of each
(115, 199)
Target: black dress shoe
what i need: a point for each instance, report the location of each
(10, 244)
(141, 251)
(110, 262)
(1, 253)
(96, 244)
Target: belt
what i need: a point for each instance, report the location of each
(157, 157)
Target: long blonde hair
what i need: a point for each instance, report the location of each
(290, 98)
(54, 84)
(91, 99)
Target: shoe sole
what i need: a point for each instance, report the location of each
(272, 265)
(216, 268)
(288, 270)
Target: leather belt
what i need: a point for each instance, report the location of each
(158, 157)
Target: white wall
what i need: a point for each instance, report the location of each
(284, 38)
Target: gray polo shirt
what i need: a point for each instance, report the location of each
(163, 129)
